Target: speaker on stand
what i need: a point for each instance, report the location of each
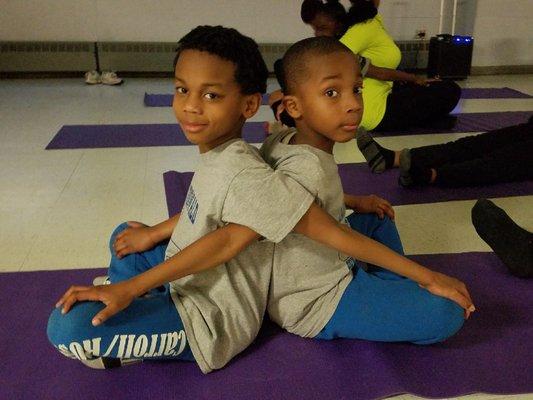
(450, 56)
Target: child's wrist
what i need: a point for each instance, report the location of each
(135, 287)
(153, 234)
(428, 277)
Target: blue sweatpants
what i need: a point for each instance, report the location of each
(150, 328)
(380, 305)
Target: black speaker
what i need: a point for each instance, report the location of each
(450, 57)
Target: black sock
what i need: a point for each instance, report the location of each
(421, 175)
(412, 174)
(378, 158)
(511, 243)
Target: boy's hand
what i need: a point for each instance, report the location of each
(453, 289)
(116, 297)
(135, 239)
(372, 204)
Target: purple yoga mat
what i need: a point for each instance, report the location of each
(493, 93)
(470, 122)
(492, 353)
(102, 136)
(145, 135)
(165, 100)
(357, 179)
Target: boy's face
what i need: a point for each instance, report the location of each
(208, 102)
(328, 101)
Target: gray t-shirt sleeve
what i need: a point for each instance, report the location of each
(266, 201)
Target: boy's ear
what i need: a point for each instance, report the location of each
(251, 105)
(292, 105)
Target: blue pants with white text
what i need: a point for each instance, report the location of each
(380, 305)
(149, 328)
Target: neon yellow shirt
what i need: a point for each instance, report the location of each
(370, 39)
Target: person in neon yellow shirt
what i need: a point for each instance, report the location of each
(388, 107)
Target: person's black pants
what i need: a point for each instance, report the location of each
(501, 155)
(410, 105)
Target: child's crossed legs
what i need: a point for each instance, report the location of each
(149, 328)
(380, 305)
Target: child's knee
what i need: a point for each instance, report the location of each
(116, 231)
(386, 222)
(69, 332)
(447, 317)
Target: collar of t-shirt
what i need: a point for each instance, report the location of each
(217, 150)
(289, 134)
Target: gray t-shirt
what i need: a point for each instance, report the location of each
(222, 308)
(308, 279)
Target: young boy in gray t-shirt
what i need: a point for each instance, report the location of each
(215, 313)
(316, 291)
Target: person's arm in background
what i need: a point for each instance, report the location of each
(387, 74)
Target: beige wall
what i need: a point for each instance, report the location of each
(502, 28)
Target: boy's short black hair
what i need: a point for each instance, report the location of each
(295, 60)
(251, 72)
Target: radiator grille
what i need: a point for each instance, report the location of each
(140, 56)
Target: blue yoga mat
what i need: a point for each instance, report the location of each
(165, 100)
(102, 136)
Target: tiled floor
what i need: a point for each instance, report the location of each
(57, 208)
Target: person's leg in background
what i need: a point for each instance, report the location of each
(410, 105)
(470, 147)
(511, 243)
(434, 156)
(511, 163)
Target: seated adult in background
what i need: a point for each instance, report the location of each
(412, 101)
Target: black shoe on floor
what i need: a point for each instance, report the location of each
(511, 243)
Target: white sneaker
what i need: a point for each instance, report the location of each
(111, 78)
(92, 78)
(101, 280)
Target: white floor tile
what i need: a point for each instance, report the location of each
(447, 227)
